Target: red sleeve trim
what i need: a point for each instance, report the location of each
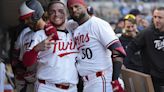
(30, 57)
(116, 45)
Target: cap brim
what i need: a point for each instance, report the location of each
(26, 16)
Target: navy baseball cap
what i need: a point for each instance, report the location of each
(90, 10)
(135, 12)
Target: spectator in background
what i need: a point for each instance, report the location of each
(90, 10)
(119, 27)
(150, 43)
(141, 22)
(129, 33)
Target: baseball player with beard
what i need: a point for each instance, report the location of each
(56, 71)
(100, 51)
(31, 12)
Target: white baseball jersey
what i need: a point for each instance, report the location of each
(57, 65)
(24, 41)
(92, 39)
(71, 25)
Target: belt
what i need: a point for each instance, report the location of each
(92, 76)
(61, 86)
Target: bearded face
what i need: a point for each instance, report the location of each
(77, 12)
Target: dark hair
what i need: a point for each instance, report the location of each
(53, 2)
(158, 8)
(90, 10)
(135, 12)
(131, 20)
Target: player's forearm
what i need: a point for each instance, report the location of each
(116, 69)
(118, 54)
(30, 57)
(117, 64)
(117, 58)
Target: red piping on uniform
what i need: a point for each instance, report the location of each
(121, 49)
(104, 83)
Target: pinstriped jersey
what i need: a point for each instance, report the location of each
(57, 64)
(23, 41)
(92, 39)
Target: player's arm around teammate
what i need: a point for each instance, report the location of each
(31, 12)
(55, 58)
(37, 23)
(19, 49)
(93, 37)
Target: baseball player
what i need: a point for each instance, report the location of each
(31, 12)
(100, 52)
(19, 69)
(22, 42)
(56, 71)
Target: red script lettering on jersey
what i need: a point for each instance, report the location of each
(80, 39)
(63, 46)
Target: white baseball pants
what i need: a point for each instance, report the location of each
(99, 84)
(52, 88)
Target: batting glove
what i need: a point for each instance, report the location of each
(50, 29)
(116, 86)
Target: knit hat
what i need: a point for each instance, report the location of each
(71, 2)
(25, 11)
(37, 7)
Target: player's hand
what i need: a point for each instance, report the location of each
(116, 86)
(50, 29)
(30, 77)
(45, 45)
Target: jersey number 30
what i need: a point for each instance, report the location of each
(87, 53)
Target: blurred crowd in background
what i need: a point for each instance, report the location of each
(113, 11)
